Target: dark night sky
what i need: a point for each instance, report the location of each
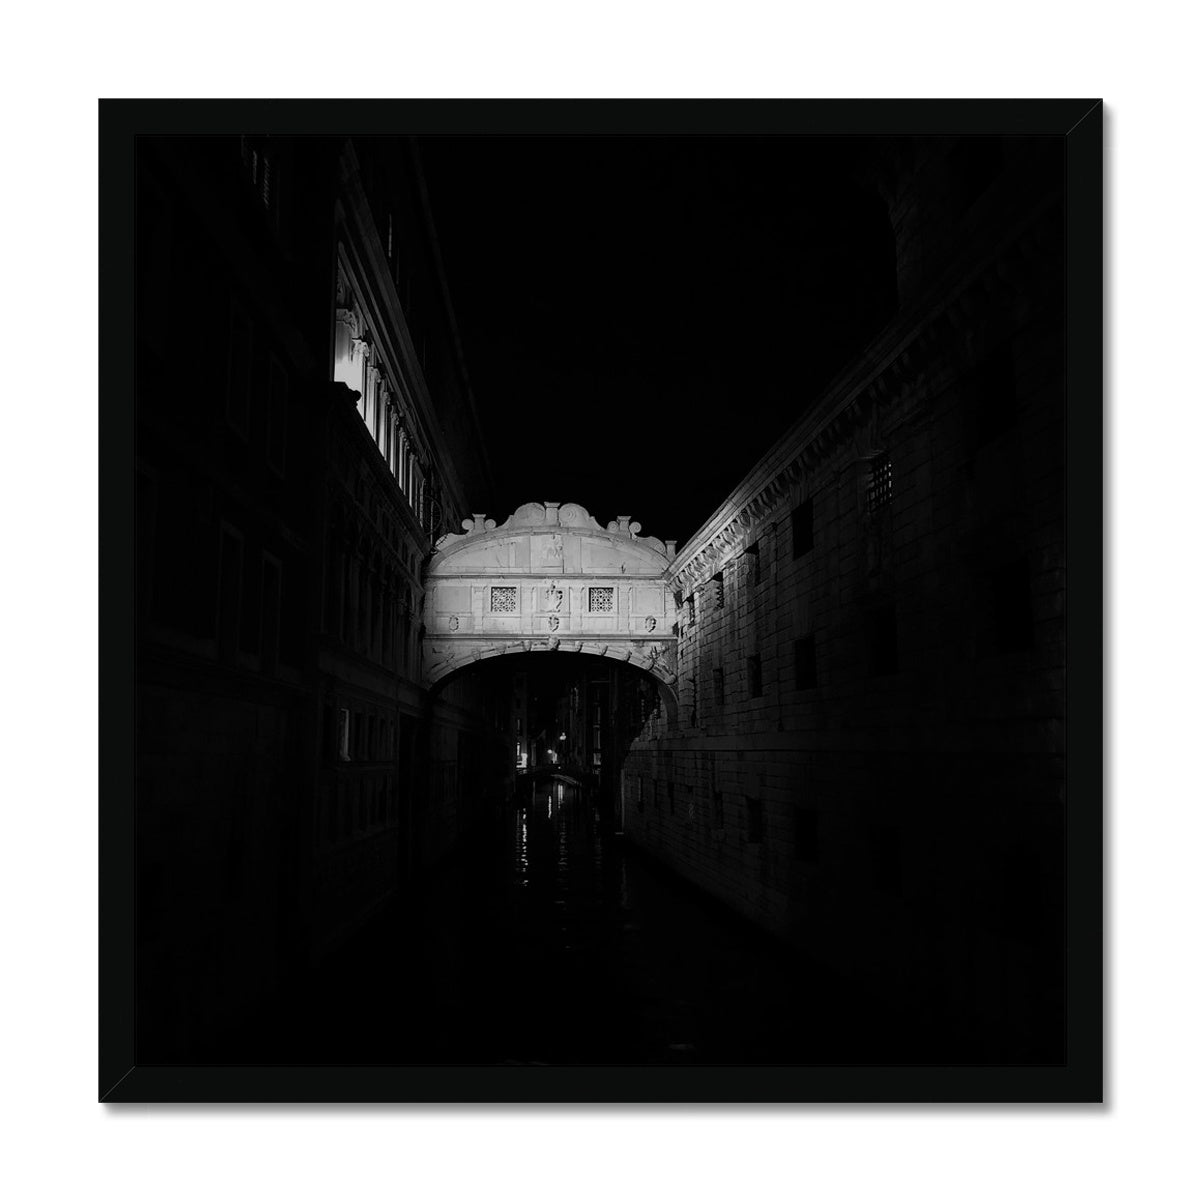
(642, 317)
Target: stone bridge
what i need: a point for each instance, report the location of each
(550, 580)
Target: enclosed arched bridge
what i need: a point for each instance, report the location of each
(551, 580)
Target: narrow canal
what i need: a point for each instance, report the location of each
(553, 941)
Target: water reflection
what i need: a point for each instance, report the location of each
(549, 941)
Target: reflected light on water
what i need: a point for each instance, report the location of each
(523, 851)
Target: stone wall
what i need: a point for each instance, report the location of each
(868, 756)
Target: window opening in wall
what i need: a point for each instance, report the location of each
(718, 582)
(754, 819)
(260, 164)
(343, 736)
(882, 650)
(718, 676)
(504, 600)
(806, 662)
(879, 483)
(691, 610)
(754, 675)
(752, 567)
(600, 599)
(802, 528)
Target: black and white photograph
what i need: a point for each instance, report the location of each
(598, 601)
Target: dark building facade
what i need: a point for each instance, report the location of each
(853, 733)
(867, 757)
(305, 431)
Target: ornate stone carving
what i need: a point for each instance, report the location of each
(617, 580)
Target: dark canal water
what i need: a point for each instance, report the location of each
(553, 941)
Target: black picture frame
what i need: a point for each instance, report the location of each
(1078, 123)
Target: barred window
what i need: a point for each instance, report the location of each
(260, 163)
(691, 610)
(718, 676)
(752, 573)
(718, 581)
(879, 485)
(600, 599)
(504, 599)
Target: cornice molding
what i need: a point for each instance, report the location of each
(887, 372)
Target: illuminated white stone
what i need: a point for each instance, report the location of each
(548, 557)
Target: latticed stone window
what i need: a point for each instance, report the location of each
(504, 599)
(600, 599)
(879, 483)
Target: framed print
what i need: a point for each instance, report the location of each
(584, 608)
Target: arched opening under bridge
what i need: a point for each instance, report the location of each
(574, 621)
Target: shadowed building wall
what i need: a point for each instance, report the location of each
(304, 424)
(868, 756)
